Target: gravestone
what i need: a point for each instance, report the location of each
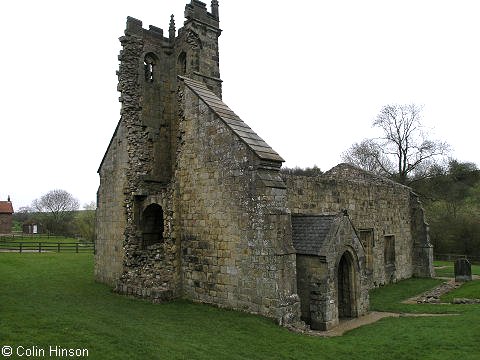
(463, 270)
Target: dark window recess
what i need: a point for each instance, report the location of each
(152, 225)
(182, 64)
(389, 253)
(149, 65)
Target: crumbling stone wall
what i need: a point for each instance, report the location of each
(135, 173)
(372, 203)
(423, 249)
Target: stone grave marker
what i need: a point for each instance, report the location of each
(463, 270)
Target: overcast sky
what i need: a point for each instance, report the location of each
(308, 76)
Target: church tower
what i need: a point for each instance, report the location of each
(191, 203)
(137, 170)
(149, 70)
(196, 47)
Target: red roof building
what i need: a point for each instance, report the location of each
(6, 216)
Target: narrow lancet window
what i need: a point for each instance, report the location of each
(149, 64)
(182, 64)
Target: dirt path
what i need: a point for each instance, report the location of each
(370, 318)
(350, 324)
(431, 296)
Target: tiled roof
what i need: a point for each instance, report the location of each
(242, 130)
(6, 207)
(309, 232)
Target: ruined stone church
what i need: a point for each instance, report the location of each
(192, 203)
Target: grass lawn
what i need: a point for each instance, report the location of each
(446, 269)
(469, 290)
(52, 300)
(37, 238)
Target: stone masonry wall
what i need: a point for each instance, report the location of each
(110, 216)
(235, 232)
(381, 206)
(312, 276)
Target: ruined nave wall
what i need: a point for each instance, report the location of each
(382, 206)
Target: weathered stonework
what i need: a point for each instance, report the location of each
(331, 271)
(234, 229)
(375, 204)
(191, 202)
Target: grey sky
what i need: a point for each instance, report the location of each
(308, 76)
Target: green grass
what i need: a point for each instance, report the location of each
(51, 299)
(38, 238)
(468, 290)
(446, 269)
(390, 297)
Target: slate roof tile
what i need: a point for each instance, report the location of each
(241, 129)
(309, 232)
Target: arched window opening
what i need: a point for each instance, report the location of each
(152, 225)
(182, 63)
(149, 65)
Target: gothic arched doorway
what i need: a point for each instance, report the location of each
(346, 295)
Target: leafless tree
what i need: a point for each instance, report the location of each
(368, 155)
(404, 152)
(59, 205)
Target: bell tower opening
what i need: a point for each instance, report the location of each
(148, 65)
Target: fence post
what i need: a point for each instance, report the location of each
(39, 247)
(21, 247)
(76, 245)
(58, 247)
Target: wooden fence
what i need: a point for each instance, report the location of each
(453, 257)
(38, 246)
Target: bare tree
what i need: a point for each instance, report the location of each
(404, 152)
(59, 205)
(368, 155)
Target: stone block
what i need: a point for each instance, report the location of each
(463, 270)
